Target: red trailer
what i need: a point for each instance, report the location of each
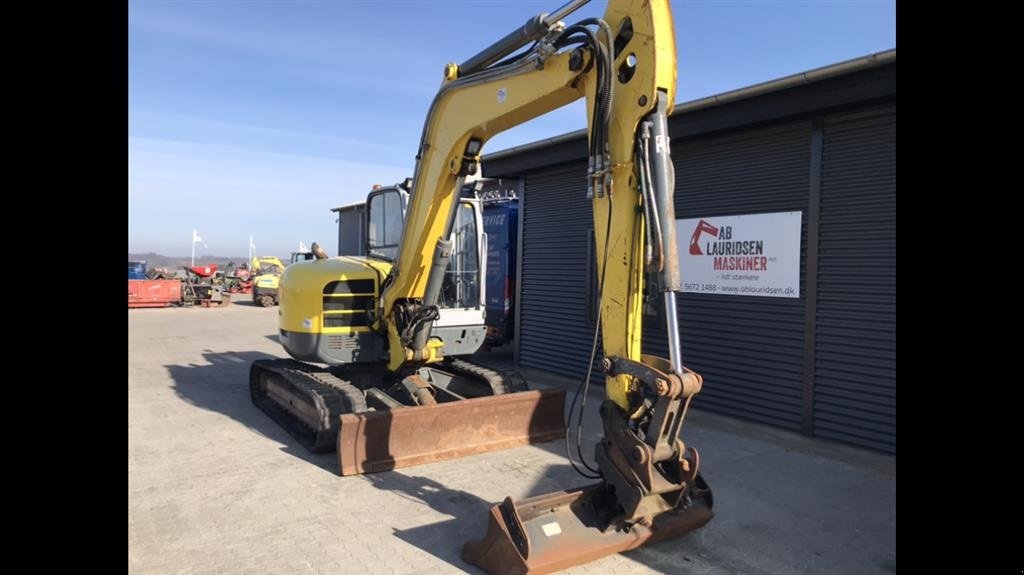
(154, 293)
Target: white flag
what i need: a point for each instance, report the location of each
(195, 236)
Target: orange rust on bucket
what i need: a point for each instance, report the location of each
(382, 440)
(558, 530)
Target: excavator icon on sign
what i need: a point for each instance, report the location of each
(702, 227)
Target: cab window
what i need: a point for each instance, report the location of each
(461, 288)
(385, 230)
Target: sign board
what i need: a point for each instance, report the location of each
(756, 254)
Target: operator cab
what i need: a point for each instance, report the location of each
(463, 282)
(386, 215)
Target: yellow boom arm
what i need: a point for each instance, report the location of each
(472, 107)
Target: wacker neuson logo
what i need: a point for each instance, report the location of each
(756, 254)
(729, 254)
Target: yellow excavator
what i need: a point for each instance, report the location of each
(268, 270)
(382, 314)
(371, 405)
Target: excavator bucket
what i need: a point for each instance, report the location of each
(374, 441)
(558, 530)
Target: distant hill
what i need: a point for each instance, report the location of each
(175, 262)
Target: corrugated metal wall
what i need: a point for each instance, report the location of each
(555, 332)
(748, 349)
(855, 347)
(833, 376)
(352, 230)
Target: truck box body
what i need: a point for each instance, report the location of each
(501, 223)
(154, 293)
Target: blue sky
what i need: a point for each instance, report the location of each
(257, 117)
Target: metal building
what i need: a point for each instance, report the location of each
(351, 229)
(822, 143)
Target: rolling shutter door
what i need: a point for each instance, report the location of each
(748, 349)
(855, 348)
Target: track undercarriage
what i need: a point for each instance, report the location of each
(379, 421)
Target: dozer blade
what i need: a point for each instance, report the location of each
(375, 441)
(559, 530)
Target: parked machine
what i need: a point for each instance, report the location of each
(268, 270)
(392, 348)
(238, 279)
(266, 284)
(203, 286)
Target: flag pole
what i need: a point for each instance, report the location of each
(193, 247)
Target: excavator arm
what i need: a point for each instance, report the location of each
(475, 103)
(466, 113)
(624, 65)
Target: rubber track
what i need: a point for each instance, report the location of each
(330, 395)
(500, 382)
